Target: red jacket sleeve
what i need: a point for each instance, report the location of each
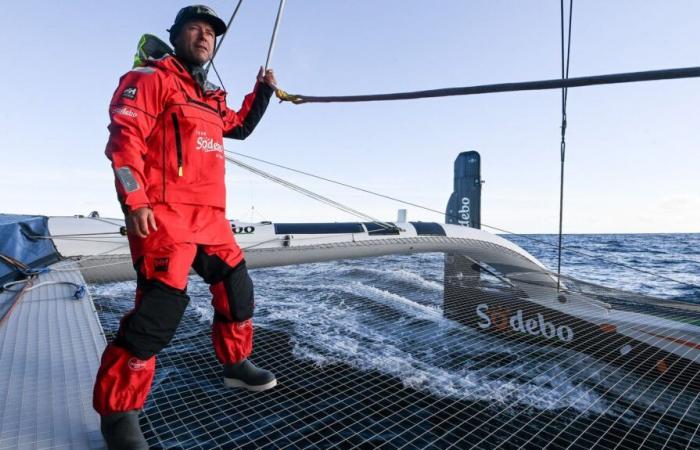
(239, 125)
(133, 112)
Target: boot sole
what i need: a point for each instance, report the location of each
(234, 383)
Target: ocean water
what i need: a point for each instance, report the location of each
(365, 358)
(655, 256)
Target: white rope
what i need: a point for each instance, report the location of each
(7, 286)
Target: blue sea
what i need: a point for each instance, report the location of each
(365, 359)
(657, 258)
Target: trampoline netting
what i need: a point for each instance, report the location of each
(428, 351)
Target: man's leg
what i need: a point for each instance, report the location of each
(224, 269)
(128, 364)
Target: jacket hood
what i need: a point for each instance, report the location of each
(152, 51)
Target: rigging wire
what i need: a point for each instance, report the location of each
(218, 46)
(441, 213)
(309, 193)
(221, 82)
(221, 41)
(340, 183)
(565, 59)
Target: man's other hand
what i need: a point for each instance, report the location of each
(267, 77)
(141, 222)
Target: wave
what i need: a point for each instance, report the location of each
(403, 275)
(405, 305)
(465, 383)
(328, 326)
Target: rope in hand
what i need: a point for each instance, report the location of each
(563, 83)
(594, 80)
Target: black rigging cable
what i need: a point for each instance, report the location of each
(218, 46)
(221, 82)
(594, 80)
(223, 36)
(565, 59)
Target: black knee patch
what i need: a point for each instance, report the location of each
(239, 290)
(211, 268)
(238, 284)
(152, 325)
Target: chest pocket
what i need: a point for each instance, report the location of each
(197, 137)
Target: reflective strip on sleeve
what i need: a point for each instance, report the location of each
(127, 179)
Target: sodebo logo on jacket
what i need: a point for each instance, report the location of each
(208, 144)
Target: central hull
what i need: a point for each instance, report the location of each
(646, 345)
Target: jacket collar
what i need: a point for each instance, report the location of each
(173, 65)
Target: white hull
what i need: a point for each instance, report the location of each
(105, 257)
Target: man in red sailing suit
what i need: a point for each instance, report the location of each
(166, 147)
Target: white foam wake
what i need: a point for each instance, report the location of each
(406, 276)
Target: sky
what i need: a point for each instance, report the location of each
(633, 150)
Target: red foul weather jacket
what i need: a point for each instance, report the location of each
(166, 136)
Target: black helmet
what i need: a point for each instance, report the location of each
(192, 12)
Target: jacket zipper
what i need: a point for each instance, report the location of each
(202, 104)
(163, 151)
(178, 144)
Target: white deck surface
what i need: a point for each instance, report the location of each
(50, 349)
